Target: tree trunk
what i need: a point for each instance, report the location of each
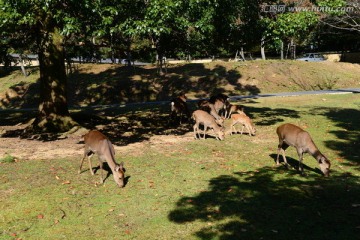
(242, 54)
(262, 45)
(282, 50)
(21, 60)
(53, 115)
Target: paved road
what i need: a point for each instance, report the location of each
(282, 94)
(286, 94)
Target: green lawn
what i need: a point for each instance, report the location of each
(201, 189)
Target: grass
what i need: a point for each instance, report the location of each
(7, 159)
(201, 189)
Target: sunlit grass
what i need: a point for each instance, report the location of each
(201, 189)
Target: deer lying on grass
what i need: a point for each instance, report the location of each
(204, 118)
(98, 143)
(179, 107)
(245, 121)
(291, 135)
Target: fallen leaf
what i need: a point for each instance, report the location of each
(57, 177)
(66, 182)
(40, 216)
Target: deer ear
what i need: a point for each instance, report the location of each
(121, 166)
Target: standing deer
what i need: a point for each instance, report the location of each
(179, 108)
(230, 109)
(245, 121)
(98, 143)
(207, 120)
(212, 108)
(291, 135)
(221, 102)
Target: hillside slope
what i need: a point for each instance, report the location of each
(93, 84)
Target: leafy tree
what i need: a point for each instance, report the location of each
(340, 14)
(44, 26)
(290, 26)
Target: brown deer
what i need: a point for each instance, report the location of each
(204, 118)
(230, 109)
(245, 121)
(291, 135)
(221, 102)
(179, 108)
(213, 108)
(98, 143)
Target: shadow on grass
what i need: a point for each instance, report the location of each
(118, 84)
(271, 204)
(294, 163)
(348, 145)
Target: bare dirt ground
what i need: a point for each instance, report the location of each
(72, 145)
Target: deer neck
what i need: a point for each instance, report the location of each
(316, 153)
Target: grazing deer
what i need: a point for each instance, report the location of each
(204, 118)
(98, 143)
(245, 121)
(179, 107)
(291, 135)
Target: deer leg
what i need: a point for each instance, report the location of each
(233, 128)
(82, 161)
(181, 117)
(196, 128)
(301, 155)
(205, 128)
(101, 166)
(248, 129)
(90, 166)
(242, 129)
(284, 157)
(278, 154)
(281, 148)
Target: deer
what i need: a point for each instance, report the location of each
(221, 102)
(292, 135)
(204, 118)
(230, 108)
(179, 107)
(245, 121)
(98, 143)
(212, 108)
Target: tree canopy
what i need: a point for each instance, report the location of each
(57, 30)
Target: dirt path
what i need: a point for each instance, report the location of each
(72, 146)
